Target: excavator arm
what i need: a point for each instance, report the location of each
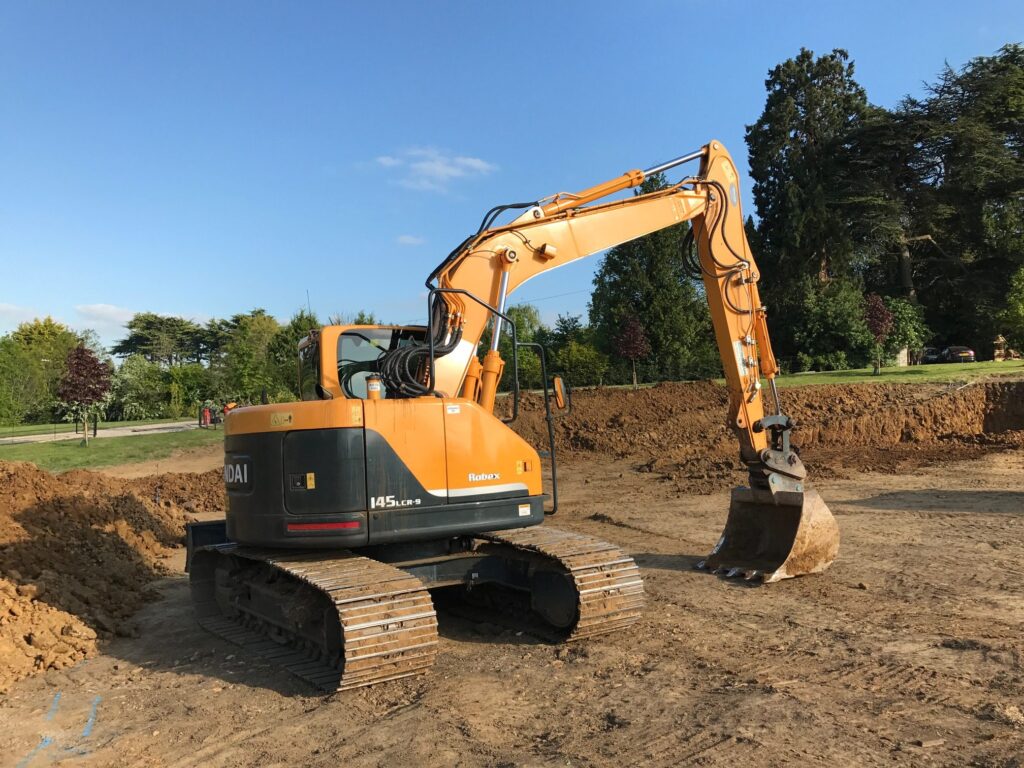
(777, 527)
(565, 228)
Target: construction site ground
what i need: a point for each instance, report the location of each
(909, 651)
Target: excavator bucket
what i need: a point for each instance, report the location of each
(769, 541)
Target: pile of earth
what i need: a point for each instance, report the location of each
(78, 553)
(678, 430)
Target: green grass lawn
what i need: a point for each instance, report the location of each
(107, 451)
(17, 430)
(914, 374)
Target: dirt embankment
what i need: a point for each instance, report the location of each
(678, 430)
(77, 553)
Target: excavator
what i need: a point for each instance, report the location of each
(394, 474)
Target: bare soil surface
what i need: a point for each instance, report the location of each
(908, 651)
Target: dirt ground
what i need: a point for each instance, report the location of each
(908, 651)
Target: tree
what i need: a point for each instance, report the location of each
(250, 365)
(797, 148)
(834, 335)
(162, 339)
(969, 161)
(526, 318)
(362, 317)
(23, 383)
(632, 344)
(84, 384)
(582, 364)
(34, 356)
(284, 347)
(909, 330)
(1012, 317)
(647, 278)
(800, 162)
(188, 385)
(138, 390)
(878, 319)
(567, 328)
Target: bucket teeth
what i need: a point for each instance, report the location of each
(751, 575)
(733, 572)
(702, 565)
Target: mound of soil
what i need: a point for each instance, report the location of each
(77, 553)
(678, 430)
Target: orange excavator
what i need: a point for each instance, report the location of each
(393, 475)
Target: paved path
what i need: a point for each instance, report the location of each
(145, 429)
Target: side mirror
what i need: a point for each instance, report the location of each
(561, 394)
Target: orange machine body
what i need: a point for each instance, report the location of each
(354, 471)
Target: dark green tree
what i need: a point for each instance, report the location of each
(647, 279)
(163, 339)
(800, 161)
(969, 163)
(284, 347)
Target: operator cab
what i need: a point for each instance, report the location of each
(348, 355)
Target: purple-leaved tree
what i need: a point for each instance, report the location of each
(85, 382)
(631, 343)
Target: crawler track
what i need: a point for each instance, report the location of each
(385, 626)
(341, 621)
(610, 590)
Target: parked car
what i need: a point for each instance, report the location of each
(958, 355)
(931, 355)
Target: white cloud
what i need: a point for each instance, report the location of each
(106, 319)
(13, 315)
(433, 170)
(409, 240)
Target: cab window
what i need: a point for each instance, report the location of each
(358, 353)
(309, 371)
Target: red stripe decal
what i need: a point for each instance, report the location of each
(323, 526)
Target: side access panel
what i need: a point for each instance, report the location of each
(486, 459)
(405, 466)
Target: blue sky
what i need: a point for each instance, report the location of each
(203, 159)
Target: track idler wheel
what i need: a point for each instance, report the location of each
(555, 598)
(769, 541)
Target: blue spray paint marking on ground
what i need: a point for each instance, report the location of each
(87, 731)
(47, 741)
(53, 706)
